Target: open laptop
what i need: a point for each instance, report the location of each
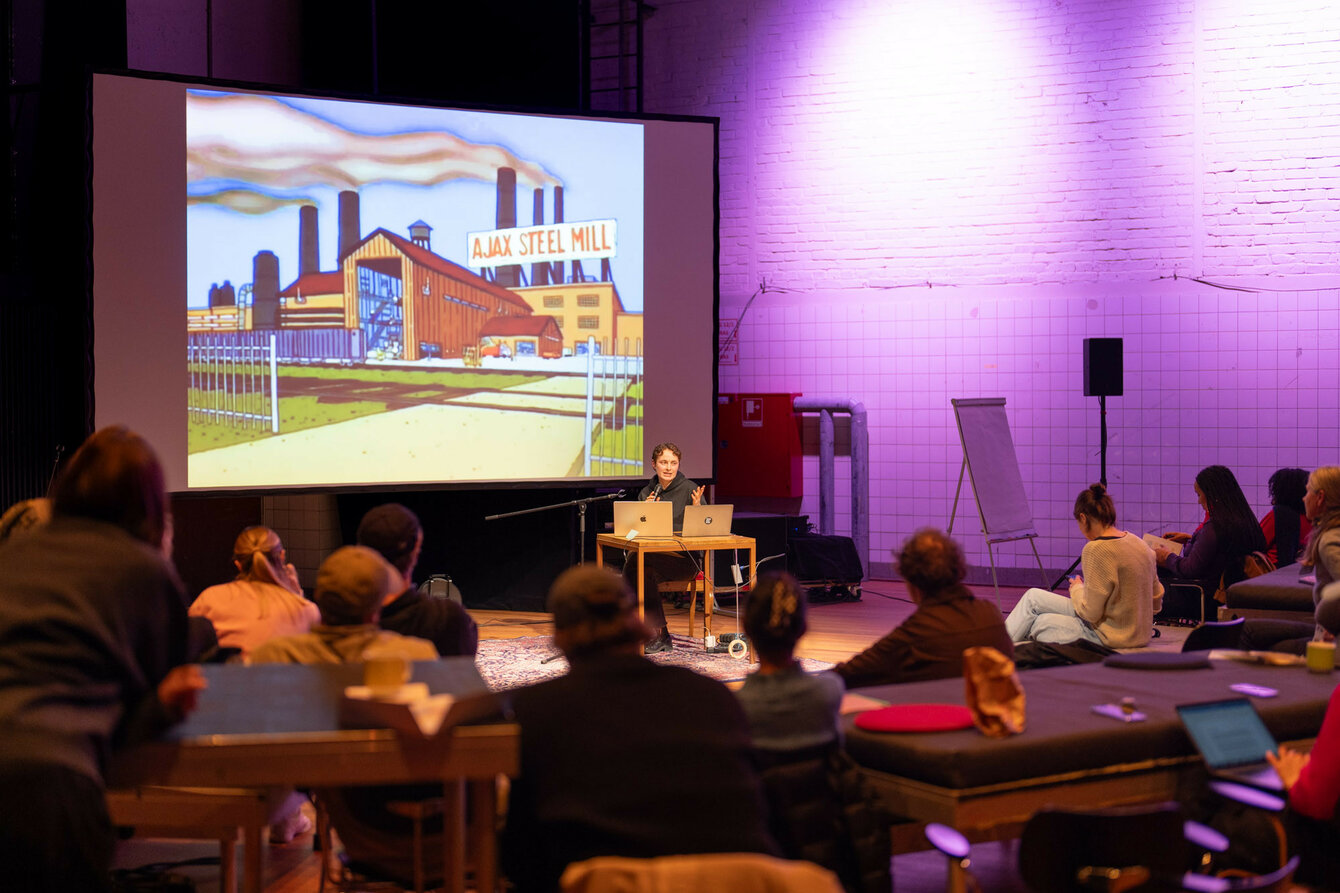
(707, 520)
(1232, 740)
(644, 519)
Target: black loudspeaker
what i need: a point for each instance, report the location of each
(1102, 367)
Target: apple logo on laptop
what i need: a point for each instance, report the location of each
(707, 520)
(643, 519)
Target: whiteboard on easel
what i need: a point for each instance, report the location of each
(993, 469)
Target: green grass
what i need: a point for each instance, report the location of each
(295, 414)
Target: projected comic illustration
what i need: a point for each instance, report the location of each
(382, 294)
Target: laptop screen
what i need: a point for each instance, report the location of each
(1227, 733)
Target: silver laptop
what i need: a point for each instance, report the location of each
(707, 520)
(640, 520)
(1232, 740)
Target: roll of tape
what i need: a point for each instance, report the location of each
(738, 649)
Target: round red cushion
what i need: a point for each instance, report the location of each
(915, 718)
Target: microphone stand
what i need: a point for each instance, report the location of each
(581, 529)
(1102, 472)
(581, 514)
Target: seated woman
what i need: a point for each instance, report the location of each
(948, 619)
(1286, 526)
(818, 808)
(1321, 505)
(1214, 553)
(1113, 600)
(263, 602)
(787, 708)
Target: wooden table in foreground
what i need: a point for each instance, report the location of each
(642, 546)
(1067, 755)
(278, 725)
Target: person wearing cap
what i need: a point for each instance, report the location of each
(610, 750)
(395, 532)
(351, 585)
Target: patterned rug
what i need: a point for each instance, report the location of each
(512, 663)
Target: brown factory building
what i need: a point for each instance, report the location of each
(415, 303)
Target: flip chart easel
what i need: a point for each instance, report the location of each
(992, 468)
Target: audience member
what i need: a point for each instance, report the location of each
(1313, 780)
(1113, 600)
(263, 602)
(1286, 526)
(787, 708)
(948, 619)
(617, 755)
(93, 633)
(394, 531)
(1321, 503)
(1214, 554)
(819, 807)
(351, 585)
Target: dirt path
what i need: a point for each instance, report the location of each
(418, 444)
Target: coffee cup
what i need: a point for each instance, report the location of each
(381, 673)
(1321, 657)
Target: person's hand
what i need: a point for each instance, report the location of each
(291, 583)
(1177, 536)
(1288, 764)
(653, 497)
(180, 689)
(698, 496)
(1077, 580)
(1161, 555)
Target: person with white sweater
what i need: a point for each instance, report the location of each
(1112, 602)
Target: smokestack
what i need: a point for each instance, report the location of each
(350, 228)
(309, 252)
(539, 273)
(421, 234)
(507, 276)
(265, 291)
(556, 269)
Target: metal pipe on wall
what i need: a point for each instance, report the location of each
(860, 467)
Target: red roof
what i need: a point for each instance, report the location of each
(425, 258)
(506, 326)
(331, 283)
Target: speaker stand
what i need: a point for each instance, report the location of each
(1102, 473)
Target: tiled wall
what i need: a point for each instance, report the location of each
(945, 198)
(309, 525)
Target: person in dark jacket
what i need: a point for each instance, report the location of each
(668, 485)
(395, 532)
(93, 644)
(948, 619)
(616, 753)
(1214, 553)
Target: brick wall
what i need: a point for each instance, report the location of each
(954, 194)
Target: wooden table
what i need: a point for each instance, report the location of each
(641, 546)
(1067, 755)
(279, 725)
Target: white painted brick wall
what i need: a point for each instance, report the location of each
(1048, 167)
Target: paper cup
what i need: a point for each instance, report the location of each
(1321, 657)
(385, 672)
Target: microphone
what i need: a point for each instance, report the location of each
(656, 494)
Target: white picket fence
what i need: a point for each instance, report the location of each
(608, 380)
(234, 379)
